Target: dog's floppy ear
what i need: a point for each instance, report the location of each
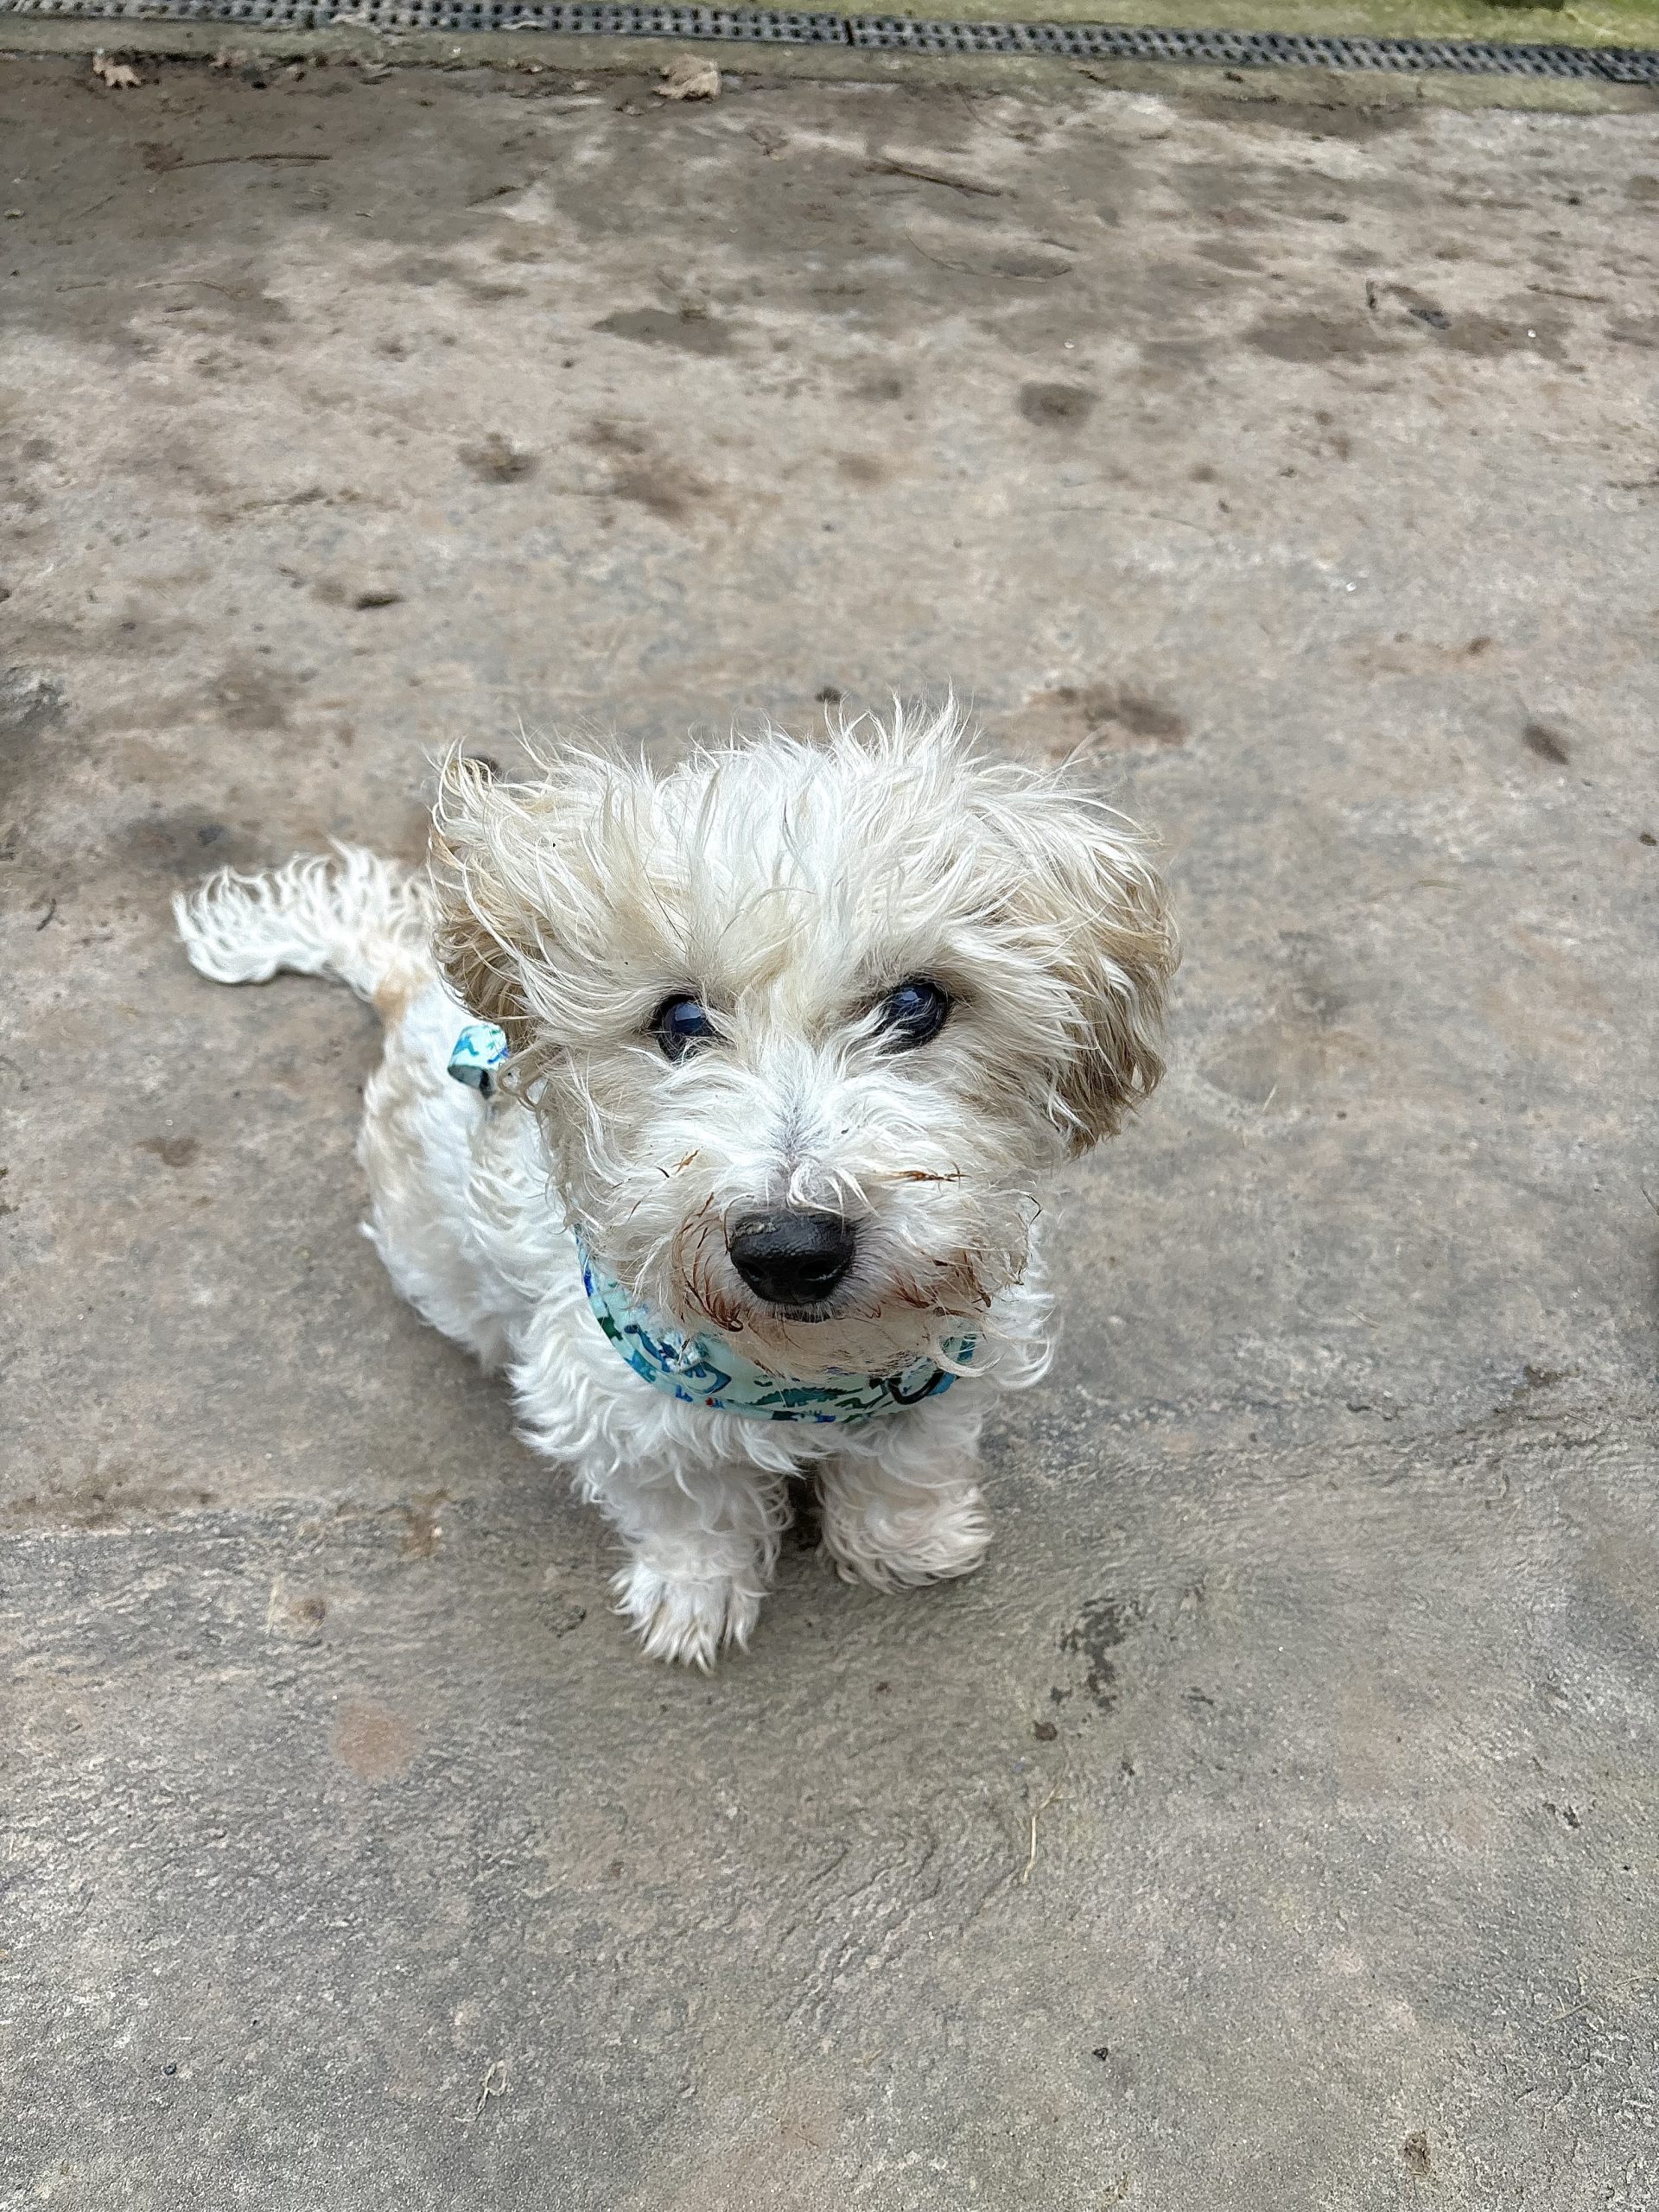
(1090, 903)
(530, 879)
(487, 932)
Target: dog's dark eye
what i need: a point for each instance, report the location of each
(915, 1011)
(679, 1023)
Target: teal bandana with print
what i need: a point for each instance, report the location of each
(707, 1372)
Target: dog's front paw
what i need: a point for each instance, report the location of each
(682, 1618)
(929, 1536)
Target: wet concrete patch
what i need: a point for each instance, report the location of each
(1052, 406)
(1316, 340)
(1108, 714)
(689, 329)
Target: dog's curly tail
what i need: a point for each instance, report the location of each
(356, 919)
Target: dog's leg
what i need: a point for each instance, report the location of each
(697, 1495)
(901, 1501)
(702, 1540)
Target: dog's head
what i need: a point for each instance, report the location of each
(808, 1025)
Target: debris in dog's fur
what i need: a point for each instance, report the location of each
(688, 77)
(713, 1184)
(119, 76)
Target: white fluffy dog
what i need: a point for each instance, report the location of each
(797, 1034)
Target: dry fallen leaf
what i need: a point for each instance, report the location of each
(116, 74)
(688, 77)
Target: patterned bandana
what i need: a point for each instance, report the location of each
(707, 1372)
(478, 1052)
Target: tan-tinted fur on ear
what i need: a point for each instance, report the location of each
(1097, 908)
(1125, 960)
(474, 936)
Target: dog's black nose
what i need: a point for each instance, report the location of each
(791, 1259)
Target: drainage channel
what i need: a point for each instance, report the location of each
(891, 34)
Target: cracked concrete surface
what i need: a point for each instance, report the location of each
(1273, 1821)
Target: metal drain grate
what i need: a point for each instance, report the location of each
(584, 17)
(1256, 49)
(890, 34)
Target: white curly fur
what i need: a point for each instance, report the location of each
(789, 886)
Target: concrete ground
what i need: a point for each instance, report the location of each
(1273, 1823)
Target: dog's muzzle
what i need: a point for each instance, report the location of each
(791, 1259)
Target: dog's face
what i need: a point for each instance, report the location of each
(807, 1026)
